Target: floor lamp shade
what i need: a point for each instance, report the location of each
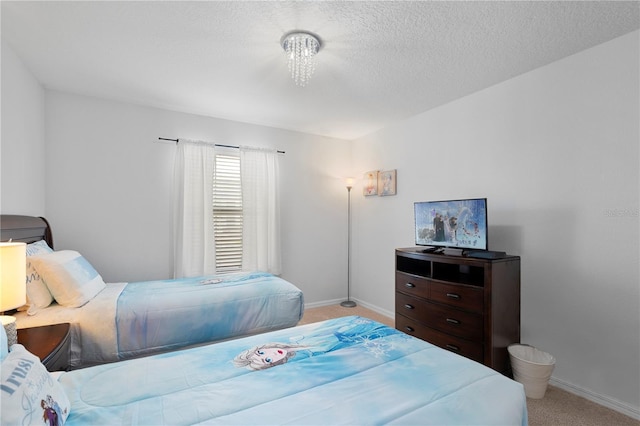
(13, 289)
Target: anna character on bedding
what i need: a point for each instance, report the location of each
(52, 414)
(361, 332)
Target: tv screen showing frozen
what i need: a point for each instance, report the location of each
(452, 223)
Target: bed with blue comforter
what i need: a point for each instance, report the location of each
(349, 370)
(128, 320)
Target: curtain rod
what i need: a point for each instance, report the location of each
(215, 144)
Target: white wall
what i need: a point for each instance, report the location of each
(109, 189)
(555, 151)
(22, 145)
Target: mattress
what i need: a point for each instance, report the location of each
(349, 370)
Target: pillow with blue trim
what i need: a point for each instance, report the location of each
(39, 247)
(28, 393)
(69, 276)
(38, 295)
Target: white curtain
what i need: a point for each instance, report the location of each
(194, 244)
(261, 210)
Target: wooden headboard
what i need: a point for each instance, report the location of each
(27, 229)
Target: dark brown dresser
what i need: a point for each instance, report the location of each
(469, 306)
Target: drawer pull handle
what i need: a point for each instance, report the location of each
(408, 306)
(453, 321)
(409, 329)
(410, 285)
(453, 348)
(453, 296)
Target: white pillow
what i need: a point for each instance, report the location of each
(70, 277)
(38, 295)
(28, 393)
(4, 344)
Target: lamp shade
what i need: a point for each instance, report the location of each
(349, 182)
(13, 289)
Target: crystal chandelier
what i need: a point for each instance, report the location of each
(301, 48)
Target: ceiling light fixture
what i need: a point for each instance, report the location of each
(301, 48)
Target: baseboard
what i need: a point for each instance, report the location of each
(323, 303)
(614, 404)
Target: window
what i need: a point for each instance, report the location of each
(227, 208)
(227, 213)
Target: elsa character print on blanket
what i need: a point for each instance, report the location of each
(265, 356)
(360, 332)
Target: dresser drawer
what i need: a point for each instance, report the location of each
(472, 350)
(411, 307)
(451, 321)
(462, 297)
(412, 285)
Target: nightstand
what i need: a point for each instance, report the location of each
(50, 343)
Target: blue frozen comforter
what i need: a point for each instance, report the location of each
(349, 370)
(154, 316)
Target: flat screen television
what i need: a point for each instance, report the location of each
(452, 223)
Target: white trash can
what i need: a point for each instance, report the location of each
(531, 367)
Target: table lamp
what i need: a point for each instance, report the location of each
(13, 288)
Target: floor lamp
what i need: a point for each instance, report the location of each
(349, 303)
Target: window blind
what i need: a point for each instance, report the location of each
(227, 213)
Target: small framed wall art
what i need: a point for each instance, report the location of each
(370, 183)
(387, 182)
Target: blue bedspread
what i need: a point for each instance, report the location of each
(345, 371)
(154, 316)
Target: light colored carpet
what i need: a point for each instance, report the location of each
(557, 408)
(334, 311)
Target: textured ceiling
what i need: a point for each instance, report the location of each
(380, 62)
